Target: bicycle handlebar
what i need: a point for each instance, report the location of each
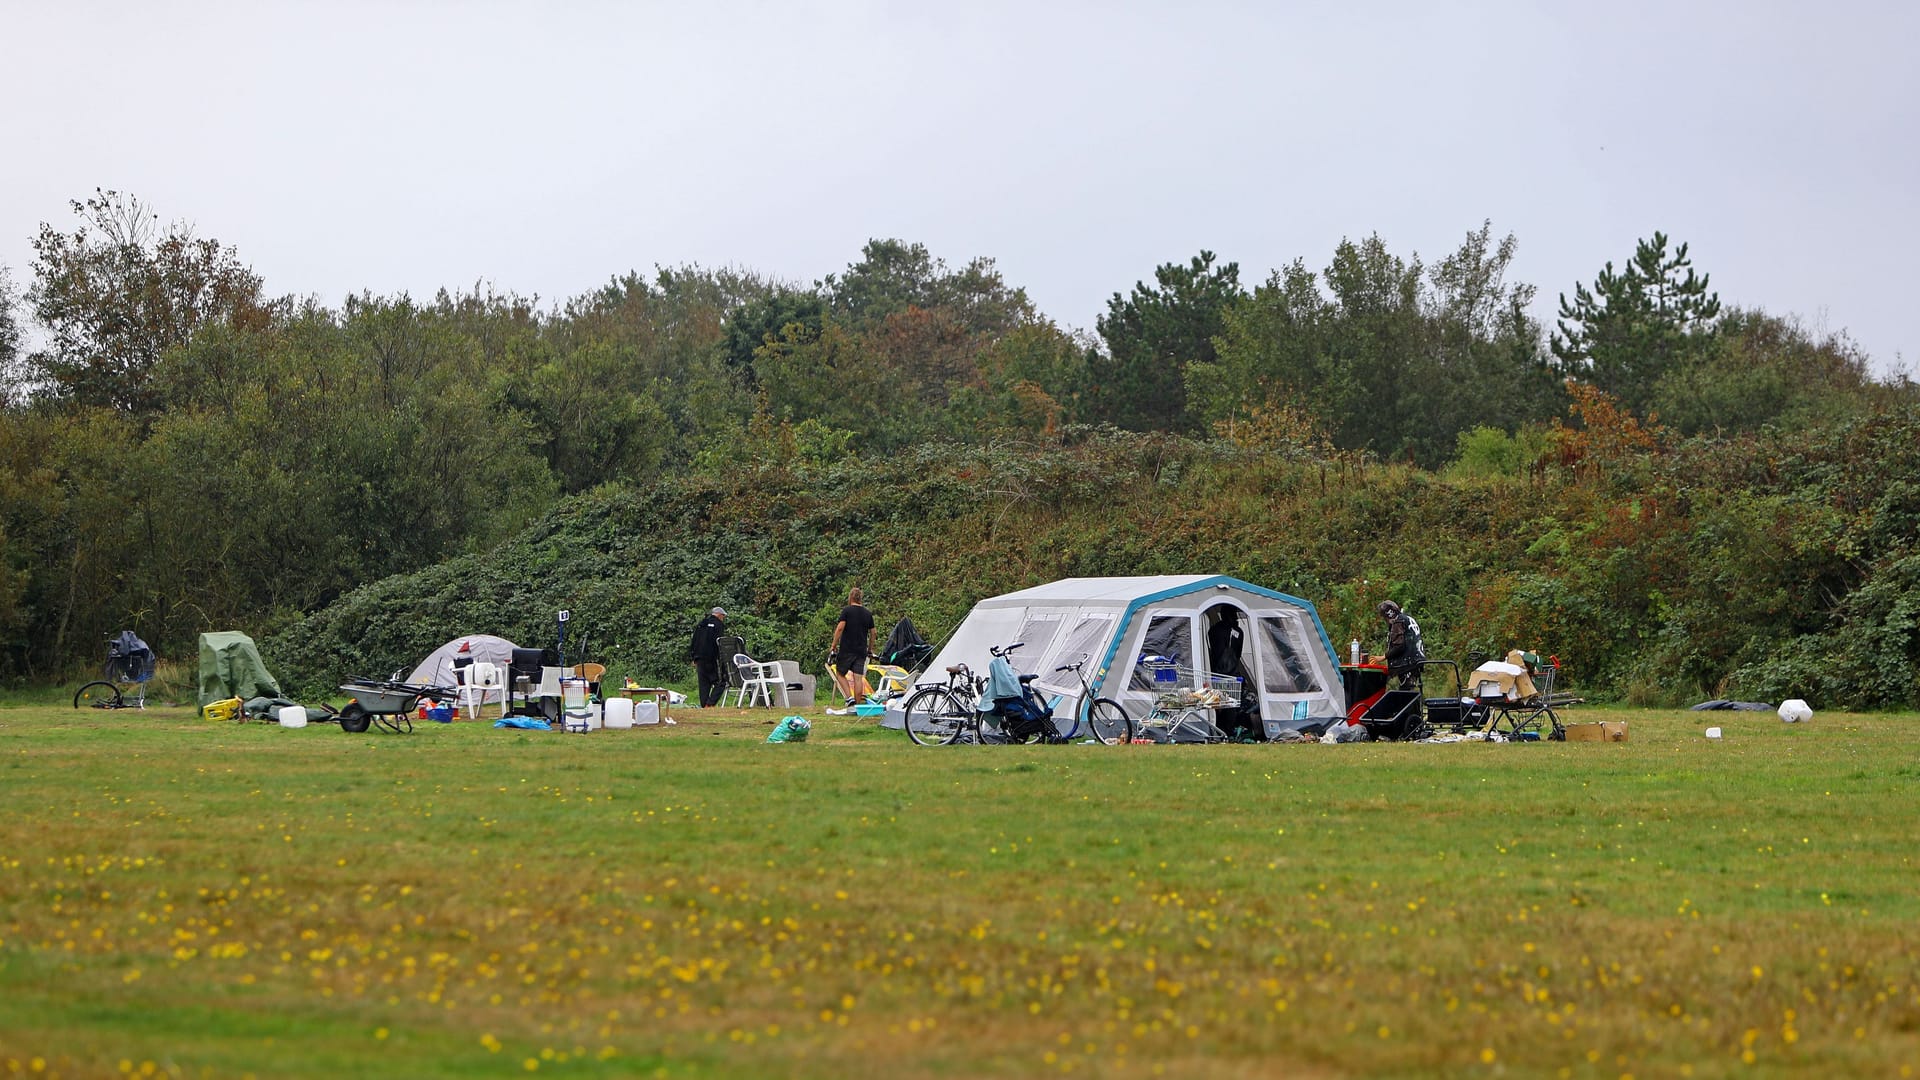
(1004, 649)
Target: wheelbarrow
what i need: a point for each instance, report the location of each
(386, 702)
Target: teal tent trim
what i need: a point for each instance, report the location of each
(1133, 608)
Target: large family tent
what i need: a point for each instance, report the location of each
(1292, 670)
(230, 667)
(437, 668)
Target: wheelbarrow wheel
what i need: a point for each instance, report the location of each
(355, 718)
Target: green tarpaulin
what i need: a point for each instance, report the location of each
(230, 667)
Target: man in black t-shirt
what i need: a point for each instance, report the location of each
(852, 644)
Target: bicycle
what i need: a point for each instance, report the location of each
(129, 661)
(957, 711)
(936, 714)
(941, 714)
(1103, 718)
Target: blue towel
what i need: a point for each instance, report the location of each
(530, 723)
(1002, 681)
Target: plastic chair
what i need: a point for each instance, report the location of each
(799, 685)
(479, 679)
(758, 681)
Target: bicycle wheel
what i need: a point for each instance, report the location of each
(98, 695)
(1108, 722)
(1555, 732)
(934, 717)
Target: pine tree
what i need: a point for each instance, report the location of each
(1638, 324)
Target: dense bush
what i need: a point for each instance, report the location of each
(1759, 567)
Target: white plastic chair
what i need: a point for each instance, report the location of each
(759, 682)
(478, 680)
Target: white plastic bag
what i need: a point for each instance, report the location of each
(1793, 711)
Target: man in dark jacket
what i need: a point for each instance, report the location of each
(1404, 648)
(704, 653)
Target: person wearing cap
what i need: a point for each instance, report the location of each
(704, 654)
(1404, 648)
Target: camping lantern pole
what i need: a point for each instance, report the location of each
(561, 644)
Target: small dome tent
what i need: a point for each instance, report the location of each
(438, 668)
(1291, 668)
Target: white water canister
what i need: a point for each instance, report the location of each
(619, 714)
(293, 716)
(646, 711)
(595, 718)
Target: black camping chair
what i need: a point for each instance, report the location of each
(523, 676)
(727, 646)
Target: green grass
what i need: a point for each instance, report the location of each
(232, 899)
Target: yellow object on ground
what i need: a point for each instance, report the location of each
(227, 709)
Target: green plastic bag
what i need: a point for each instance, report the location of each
(792, 729)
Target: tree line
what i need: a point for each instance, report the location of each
(182, 450)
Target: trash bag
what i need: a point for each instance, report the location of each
(791, 729)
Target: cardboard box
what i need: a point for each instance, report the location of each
(1608, 731)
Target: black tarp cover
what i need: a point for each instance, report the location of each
(905, 647)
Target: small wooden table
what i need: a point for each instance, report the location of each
(659, 694)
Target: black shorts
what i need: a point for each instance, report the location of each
(847, 664)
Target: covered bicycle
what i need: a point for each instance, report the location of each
(130, 663)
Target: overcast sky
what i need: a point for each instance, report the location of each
(546, 147)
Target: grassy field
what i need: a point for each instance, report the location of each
(185, 898)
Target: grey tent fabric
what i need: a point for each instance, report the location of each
(438, 667)
(230, 667)
(1112, 626)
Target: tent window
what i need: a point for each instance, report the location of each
(1037, 633)
(1288, 669)
(1170, 636)
(1087, 634)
